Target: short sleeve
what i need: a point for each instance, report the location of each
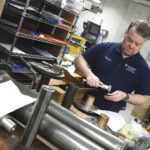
(94, 53)
(143, 86)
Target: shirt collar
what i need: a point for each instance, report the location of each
(118, 50)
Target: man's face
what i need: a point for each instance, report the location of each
(132, 42)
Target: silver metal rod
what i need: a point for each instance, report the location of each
(101, 137)
(7, 124)
(57, 133)
(38, 113)
(64, 137)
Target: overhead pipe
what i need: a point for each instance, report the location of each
(101, 137)
(57, 133)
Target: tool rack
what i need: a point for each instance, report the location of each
(24, 19)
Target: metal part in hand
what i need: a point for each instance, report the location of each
(106, 87)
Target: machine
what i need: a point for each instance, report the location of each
(90, 33)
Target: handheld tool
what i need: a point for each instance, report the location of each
(104, 87)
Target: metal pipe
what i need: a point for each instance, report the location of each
(38, 113)
(65, 137)
(7, 124)
(58, 133)
(69, 96)
(86, 128)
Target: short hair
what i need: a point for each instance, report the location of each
(142, 27)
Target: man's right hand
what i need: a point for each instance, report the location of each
(93, 80)
(83, 69)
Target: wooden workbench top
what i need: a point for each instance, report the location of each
(10, 141)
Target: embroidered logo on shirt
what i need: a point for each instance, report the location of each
(130, 68)
(107, 58)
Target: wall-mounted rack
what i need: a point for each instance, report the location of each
(22, 18)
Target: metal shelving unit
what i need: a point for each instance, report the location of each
(69, 10)
(22, 71)
(35, 16)
(12, 70)
(27, 36)
(12, 31)
(38, 18)
(28, 56)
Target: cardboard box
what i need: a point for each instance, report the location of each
(139, 111)
(2, 3)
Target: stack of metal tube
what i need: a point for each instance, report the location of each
(64, 129)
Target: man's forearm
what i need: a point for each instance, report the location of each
(138, 99)
(135, 99)
(82, 66)
(83, 69)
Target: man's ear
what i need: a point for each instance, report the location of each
(126, 32)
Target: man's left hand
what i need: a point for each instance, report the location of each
(116, 96)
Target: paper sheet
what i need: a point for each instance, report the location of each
(116, 120)
(11, 98)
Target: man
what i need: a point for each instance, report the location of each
(120, 65)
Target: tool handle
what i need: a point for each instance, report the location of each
(104, 87)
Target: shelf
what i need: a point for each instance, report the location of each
(24, 55)
(27, 36)
(5, 66)
(41, 18)
(38, 18)
(26, 71)
(47, 22)
(69, 10)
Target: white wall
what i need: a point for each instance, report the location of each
(87, 16)
(116, 16)
(134, 11)
(113, 15)
(110, 19)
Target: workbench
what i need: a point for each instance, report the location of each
(60, 127)
(10, 141)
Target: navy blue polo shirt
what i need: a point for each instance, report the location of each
(125, 74)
